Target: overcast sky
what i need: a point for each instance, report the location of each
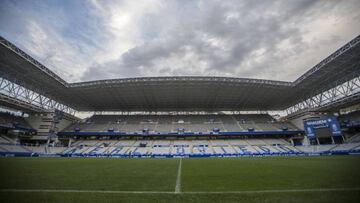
(89, 40)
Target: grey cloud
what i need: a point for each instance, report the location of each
(250, 38)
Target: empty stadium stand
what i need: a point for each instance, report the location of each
(128, 146)
(176, 148)
(350, 120)
(174, 123)
(10, 121)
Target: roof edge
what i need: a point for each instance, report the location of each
(31, 60)
(180, 78)
(46, 70)
(328, 59)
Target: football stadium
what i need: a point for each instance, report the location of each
(180, 138)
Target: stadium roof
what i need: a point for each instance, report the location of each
(180, 93)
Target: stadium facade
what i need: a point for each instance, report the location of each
(180, 116)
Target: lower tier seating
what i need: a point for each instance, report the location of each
(219, 147)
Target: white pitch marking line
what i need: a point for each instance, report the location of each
(275, 191)
(169, 192)
(178, 179)
(85, 191)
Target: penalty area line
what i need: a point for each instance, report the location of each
(174, 192)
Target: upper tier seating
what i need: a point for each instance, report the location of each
(185, 123)
(350, 119)
(10, 120)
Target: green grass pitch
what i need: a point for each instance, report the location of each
(257, 179)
